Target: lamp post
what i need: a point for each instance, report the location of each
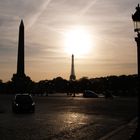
(136, 20)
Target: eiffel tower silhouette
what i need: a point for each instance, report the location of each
(72, 75)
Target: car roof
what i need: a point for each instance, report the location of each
(89, 91)
(23, 94)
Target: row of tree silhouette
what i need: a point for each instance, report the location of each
(118, 85)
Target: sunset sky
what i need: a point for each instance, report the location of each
(109, 47)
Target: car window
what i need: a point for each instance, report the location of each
(23, 98)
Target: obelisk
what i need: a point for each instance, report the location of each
(20, 59)
(20, 81)
(72, 75)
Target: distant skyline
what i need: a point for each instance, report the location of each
(109, 24)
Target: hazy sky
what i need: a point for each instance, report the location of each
(108, 22)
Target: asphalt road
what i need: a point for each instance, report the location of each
(65, 118)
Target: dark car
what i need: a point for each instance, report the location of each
(109, 95)
(23, 103)
(90, 94)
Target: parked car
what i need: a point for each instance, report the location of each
(23, 103)
(91, 94)
(109, 95)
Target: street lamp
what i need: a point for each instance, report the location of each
(136, 20)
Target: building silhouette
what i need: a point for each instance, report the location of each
(72, 75)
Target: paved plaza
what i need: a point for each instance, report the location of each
(60, 117)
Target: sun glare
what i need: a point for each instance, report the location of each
(77, 41)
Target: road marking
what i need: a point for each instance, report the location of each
(112, 133)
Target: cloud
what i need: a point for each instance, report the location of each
(42, 8)
(46, 21)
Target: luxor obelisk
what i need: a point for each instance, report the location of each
(20, 80)
(20, 59)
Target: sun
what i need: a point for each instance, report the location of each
(78, 41)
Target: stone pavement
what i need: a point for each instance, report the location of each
(124, 132)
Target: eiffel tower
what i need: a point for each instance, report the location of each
(72, 75)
